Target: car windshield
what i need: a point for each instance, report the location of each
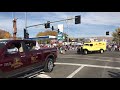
(3, 43)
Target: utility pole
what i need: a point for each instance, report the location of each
(68, 30)
(47, 25)
(14, 28)
(26, 34)
(26, 20)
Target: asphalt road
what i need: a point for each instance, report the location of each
(95, 65)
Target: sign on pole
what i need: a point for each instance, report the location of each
(60, 27)
(60, 36)
(60, 33)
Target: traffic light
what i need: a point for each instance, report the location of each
(58, 30)
(26, 34)
(47, 25)
(77, 19)
(107, 33)
(52, 28)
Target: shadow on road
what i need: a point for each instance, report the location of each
(114, 74)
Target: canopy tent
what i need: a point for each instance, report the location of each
(42, 38)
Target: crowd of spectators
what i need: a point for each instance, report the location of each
(113, 47)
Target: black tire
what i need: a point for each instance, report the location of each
(85, 52)
(101, 51)
(49, 65)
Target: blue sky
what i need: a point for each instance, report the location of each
(92, 23)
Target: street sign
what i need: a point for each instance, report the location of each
(60, 36)
(60, 27)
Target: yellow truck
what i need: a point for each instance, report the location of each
(92, 47)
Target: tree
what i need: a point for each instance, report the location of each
(46, 33)
(4, 34)
(65, 37)
(116, 36)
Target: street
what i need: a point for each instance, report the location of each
(95, 65)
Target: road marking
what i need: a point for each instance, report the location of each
(110, 60)
(94, 59)
(104, 70)
(88, 65)
(92, 56)
(43, 76)
(39, 75)
(104, 57)
(75, 72)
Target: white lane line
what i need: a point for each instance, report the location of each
(40, 75)
(92, 57)
(88, 65)
(95, 59)
(110, 60)
(104, 57)
(75, 72)
(43, 76)
(74, 64)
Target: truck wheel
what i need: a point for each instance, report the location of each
(101, 51)
(85, 52)
(49, 65)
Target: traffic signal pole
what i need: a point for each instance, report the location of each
(77, 21)
(49, 22)
(26, 20)
(26, 34)
(42, 24)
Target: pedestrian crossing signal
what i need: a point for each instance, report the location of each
(52, 28)
(58, 30)
(26, 34)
